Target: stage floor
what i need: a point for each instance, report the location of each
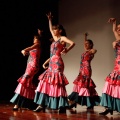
(79, 113)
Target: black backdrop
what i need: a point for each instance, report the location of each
(19, 22)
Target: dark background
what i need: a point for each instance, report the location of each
(20, 20)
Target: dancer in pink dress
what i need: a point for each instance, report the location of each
(25, 91)
(51, 91)
(111, 91)
(84, 92)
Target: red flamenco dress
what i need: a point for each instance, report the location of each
(51, 91)
(25, 91)
(84, 92)
(111, 91)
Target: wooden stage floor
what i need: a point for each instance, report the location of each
(80, 113)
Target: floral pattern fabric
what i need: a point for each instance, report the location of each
(31, 69)
(84, 77)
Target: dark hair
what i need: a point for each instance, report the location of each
(90, 42)
(37, 37)
(60, 27)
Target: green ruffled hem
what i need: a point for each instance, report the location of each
(50, 102)
(110, 102)
(23, 102)
(85, 100)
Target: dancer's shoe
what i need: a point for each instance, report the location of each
(73, 105)
(106, 112)
(15, 108)
(62, 110)
(39, 108)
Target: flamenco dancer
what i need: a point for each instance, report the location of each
(51, 91)
(84, 92)
(111, 91)
(25, 91)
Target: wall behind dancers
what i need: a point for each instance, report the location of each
(90, 16)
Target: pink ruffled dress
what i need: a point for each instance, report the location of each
(111, 90)
(84, 92)
(26, 88)
(51, 91)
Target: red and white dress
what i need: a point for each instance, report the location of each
(26, 87)
(51, 91)
(84, 92)
(111, 90)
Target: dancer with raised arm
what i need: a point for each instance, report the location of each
(111, 91)
(84, 92)
(51, 91)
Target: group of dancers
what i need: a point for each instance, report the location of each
(51, 90)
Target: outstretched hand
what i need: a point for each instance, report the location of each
(24, 52)
(86, 34)
(111, 20)
(64, 51)
(49, 15)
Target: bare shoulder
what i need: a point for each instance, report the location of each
(93, 51)
(63, 37)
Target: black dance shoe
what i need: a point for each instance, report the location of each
(15, 109)
(73, 105)
(39, 108)
(62, 110)
(106, 112)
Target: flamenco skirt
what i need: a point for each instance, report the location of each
(111, 96)
(85, 96)
(51, 91)
(24, 97)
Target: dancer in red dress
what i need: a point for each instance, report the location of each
(25, 91)
(51, 91)
(111, 91)
(84, 92)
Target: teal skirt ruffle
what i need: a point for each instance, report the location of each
(85, 100)
(110, 102)
(23, 102)
(51, 102)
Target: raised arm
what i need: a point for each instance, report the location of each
(113, 21)
(86, 34)
(49, 16)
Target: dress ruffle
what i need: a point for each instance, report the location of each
(51, 102)
(27, 77)
(84, 82)
(26, 81)
(114, 78)
(85, 100)
(51, 90)
(110, 102)
(23, 102)
(53, 78)
(111, 90)
(85, 91)
(25, 91)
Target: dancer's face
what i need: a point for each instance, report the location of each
(87, 45)
(57, 32)
(35, 40)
